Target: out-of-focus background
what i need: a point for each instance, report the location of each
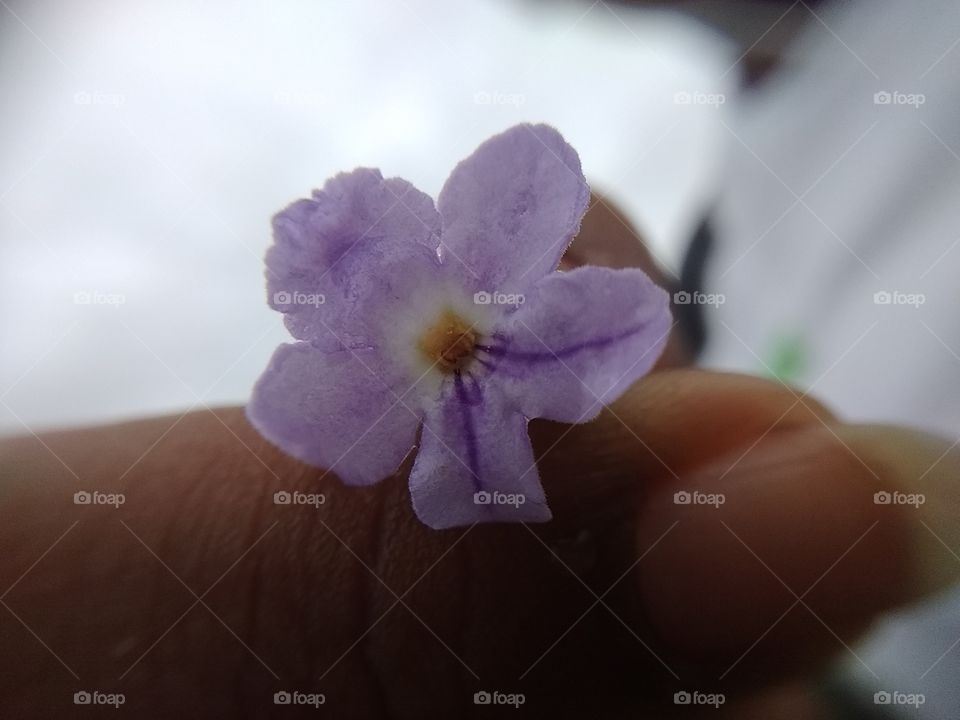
(146, 145)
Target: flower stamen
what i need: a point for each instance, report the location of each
(449, 343)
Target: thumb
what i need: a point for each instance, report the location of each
(799, 542)
(796, 554)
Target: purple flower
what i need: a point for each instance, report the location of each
(450, 317)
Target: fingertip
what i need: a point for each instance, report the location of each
(777, 555)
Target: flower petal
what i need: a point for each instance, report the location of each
(511, 208)
(336, 410)
(338, 256)
(580, 340)
(474, 448)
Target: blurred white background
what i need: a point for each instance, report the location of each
(145, 146)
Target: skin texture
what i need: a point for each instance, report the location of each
(200, 597)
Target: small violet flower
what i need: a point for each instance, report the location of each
(452, 317)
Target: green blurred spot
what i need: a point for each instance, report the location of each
(787, 359)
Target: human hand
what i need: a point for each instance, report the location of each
(199, 595)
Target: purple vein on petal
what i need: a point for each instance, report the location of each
(469, 431)
(549, 355)
(486, 363)
(495, 349)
